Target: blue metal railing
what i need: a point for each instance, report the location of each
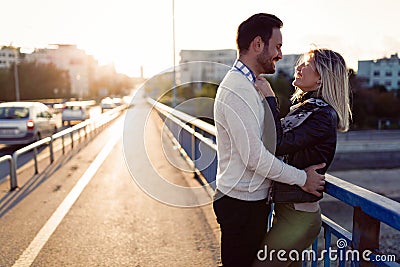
(357, 248)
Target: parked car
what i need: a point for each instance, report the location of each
(25, 122)
(76, 111)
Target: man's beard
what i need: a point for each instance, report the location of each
(266, 62)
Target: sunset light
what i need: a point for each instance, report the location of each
(202, 133)
(132, 34)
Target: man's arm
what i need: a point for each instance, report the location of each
(241, 111)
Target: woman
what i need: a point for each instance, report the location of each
(306, 136)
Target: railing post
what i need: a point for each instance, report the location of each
(193, 140)
(196, 154)
(72, 139)
(35, 160)
(328, 238)
(365, 234)
(51, 150)
(10, 160)
(92, 129)
(314, 261)
(12, 169)
(13, 175)
(63, 146)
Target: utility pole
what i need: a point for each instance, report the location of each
(173, 48)
(16, 79)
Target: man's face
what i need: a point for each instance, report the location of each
(271, 53)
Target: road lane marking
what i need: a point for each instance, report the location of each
(30, 253)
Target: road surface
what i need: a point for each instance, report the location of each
(112, 222)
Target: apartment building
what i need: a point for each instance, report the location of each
(8, 55)
(384, 71)
(204, 65)
(67, 57)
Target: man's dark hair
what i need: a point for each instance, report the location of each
(260, 24)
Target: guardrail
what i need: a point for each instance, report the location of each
(88, 126)
(357, 248)
(11, 164)
(198, 139)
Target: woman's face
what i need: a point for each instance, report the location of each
(306, 75)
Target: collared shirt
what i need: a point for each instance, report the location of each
(240, 66)
(248, 73)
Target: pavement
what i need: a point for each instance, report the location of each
(372, 149)
(114, 221)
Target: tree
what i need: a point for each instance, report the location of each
(39, 81)
(36, 81)
(283, 88)
(7, 88)
(387, 105)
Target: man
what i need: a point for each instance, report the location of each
(245, 166)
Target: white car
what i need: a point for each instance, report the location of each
(26, 122)
(117, 101)
(76, 111)
(107, 103)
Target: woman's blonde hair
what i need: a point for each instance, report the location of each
(334, 87)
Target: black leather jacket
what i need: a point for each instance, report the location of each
(312, 142)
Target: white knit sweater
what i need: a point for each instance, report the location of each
(243, 161)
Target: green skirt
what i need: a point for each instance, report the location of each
(292, 231)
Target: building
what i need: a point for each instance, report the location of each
(67, 57)
(384, 71)
(287, 64)
(212, 65)
(8, 55)
(204, 65)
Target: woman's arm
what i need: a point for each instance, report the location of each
(318, 125)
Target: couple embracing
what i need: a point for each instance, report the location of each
(263, 159)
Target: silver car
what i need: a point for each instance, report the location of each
(26, 122)
(76, 111)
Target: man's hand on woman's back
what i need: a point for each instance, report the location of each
(315, 182)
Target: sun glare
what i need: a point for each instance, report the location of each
(131, 34)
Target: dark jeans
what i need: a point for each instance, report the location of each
(243, 227)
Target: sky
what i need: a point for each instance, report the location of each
(132, 33)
